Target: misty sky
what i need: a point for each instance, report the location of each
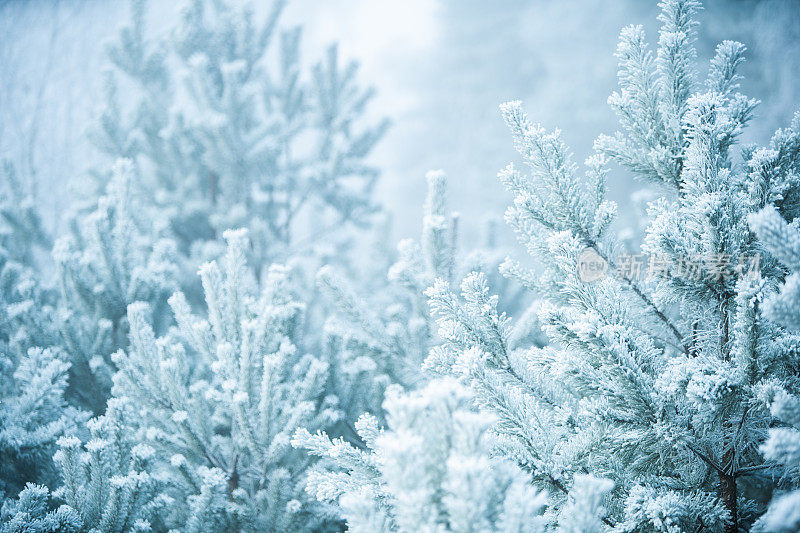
(441, 68)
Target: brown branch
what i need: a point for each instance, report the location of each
(706, 459)
(638, 291)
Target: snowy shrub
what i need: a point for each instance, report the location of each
(26, 301)
(378, 337)
(653, 378)
(33, 370)
(381, 337)
(31, 513)
(33, 415)
(109, 260)
(592, 388)
(783, 307)
(109, 480)
(21, 227)
(219, 398)
(106, 486)
(431, 470)
(227, 128)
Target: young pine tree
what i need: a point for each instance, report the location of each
(373, 340)
(110, 259)
(27, 303)
(228, 129)
(33, 370)
(107, 485)
(431, 470)
(654, 380)
(381, 338)
(782, 240)
(31, 513)
(218, 399)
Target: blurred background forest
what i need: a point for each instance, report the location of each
(440, 67)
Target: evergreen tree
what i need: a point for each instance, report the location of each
(30, 513)
(653, 381)
(110, 259)
(33, 415)
(22, 232)
(33, 370)
(106, 485)
(430, 470)
(26, 301)
(664, 397)
(219, 398)
(782, 240)
(110, 481)
(379, 338)
(227, 130)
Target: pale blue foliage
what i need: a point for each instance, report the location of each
(33, 415)
(108, 261)
(108, 481)
(782, 240)
(783, 447)
(535, 430)
(26, 302)
(584, 509)
(383, 337)
(222, 125)
(30, 513)
(219, 398)
(384, 395)
(228, 128)
(431, 470)
(33, 370)
(653, 381)
(21, 229)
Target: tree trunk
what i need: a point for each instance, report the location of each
(727, 489)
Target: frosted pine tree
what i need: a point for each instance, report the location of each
(111, 258)
(653, 378)
(378, 339)
(107, 486)
(219, 398)
(381, 337)
(33, 415)
(32, 512)
(229, 129)
(27, 302)
(33, 370)
(431, 470)
(782, 240)
(22, 232)
(110, 480)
